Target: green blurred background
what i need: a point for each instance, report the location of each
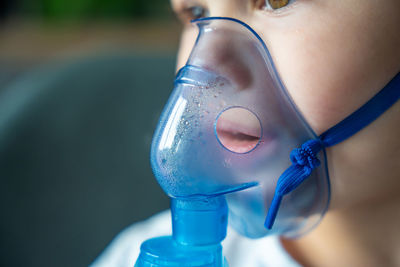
(87, 9)
(82, 84)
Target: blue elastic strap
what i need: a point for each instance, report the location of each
(304, 160)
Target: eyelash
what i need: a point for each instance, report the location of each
(265, 5)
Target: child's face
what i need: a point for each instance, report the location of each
(333, 56)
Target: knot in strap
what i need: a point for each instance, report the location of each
(306, 156)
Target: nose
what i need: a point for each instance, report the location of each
(230, 8)
(221, 51)
(239, 9)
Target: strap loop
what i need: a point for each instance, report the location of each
(304, 161)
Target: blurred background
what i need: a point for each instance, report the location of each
(82, 84)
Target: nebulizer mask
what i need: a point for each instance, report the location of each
(232, 144)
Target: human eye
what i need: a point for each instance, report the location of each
(188, 10)
(273, 5)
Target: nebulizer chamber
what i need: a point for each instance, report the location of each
(222, 142)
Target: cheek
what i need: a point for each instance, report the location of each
(331, 64)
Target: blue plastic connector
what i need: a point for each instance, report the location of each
(198, 228)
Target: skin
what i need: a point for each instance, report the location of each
(333, 56)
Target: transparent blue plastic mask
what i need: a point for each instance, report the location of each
(229, 128)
